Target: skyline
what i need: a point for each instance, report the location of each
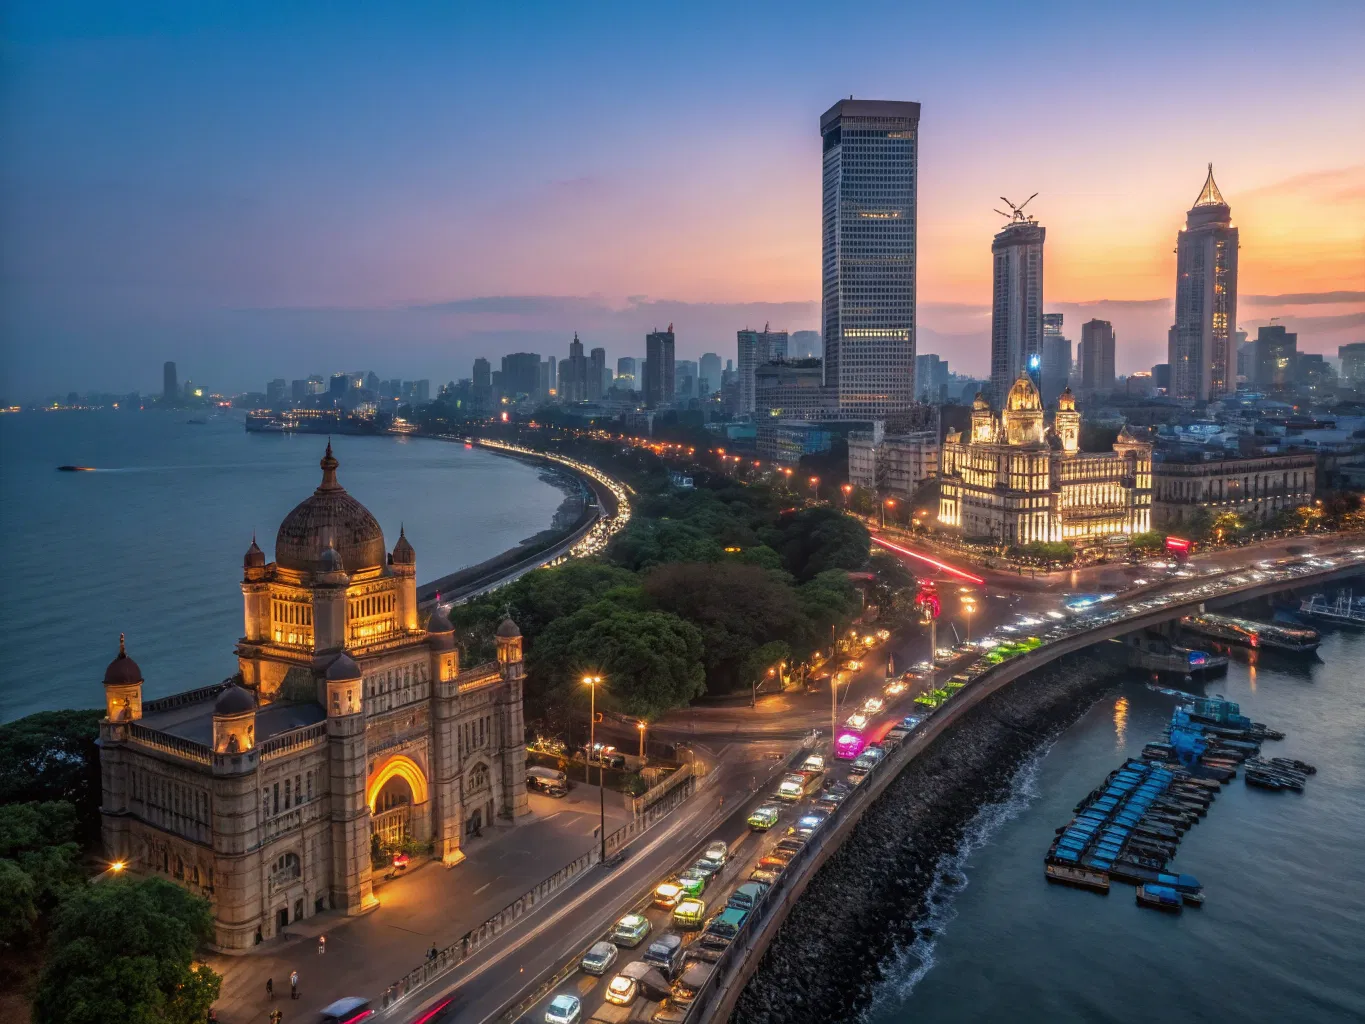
(255, 194)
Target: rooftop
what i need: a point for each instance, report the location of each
(869, 108)
(194, 722)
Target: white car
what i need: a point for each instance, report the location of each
(814, 763)
(564, 1009)
(599, 958)
(621, 990)
(873, 705)
(718, 851)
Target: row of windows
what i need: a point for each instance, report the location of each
(295, 792)
(475, 735)
(170, 805)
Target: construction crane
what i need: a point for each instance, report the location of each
(1017, 216)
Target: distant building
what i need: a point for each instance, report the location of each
(659, 373)
(1096, 363)
(298, 390)
(931, 378)
(316, 385)
(1313, 371)
(1200, 342)
(170, 383)
(1016, 303)
(786, 441)
(1352, 358)
(1006, 483)
(708, 368)
(1056, 358)
(806, 345)
(339, 384)
(573, 374)
(754, 349)
(892, 464)
(793, 390)
(1161, 377)
(372, 382)
(274, 392)
(627, 366)
(868, 256)
(1276, 351)
(1253, 488)
(521, 374)
(597, 374)
(1246, 357)
(418, 392)
(685, 378)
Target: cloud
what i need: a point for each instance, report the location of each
(1302, 298)
(516, 305)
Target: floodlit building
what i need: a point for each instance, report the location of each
(1016, 302)
(1254, 487)
(870, 183)
(894, 464)
(1013, 480)
(1200, 342)
(348, 721)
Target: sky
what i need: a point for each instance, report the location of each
(262, 190)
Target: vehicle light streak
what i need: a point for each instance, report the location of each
(961, 574)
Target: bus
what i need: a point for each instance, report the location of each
(848, 745)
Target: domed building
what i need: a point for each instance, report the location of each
(1015, 481)
(350, 721)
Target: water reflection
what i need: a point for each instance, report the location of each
(1120, 722)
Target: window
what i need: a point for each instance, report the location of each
(286, 794)
(277, 798)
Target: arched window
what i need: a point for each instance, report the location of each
(478, 779)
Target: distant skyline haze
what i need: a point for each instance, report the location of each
(258, 191)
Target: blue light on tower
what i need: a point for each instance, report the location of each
(1034, 370)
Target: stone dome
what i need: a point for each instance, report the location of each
(235, 700)
(439, 623)
(979, 403)
(123, 670)
(508, 629)
(330, 560)
(402, 551)
(254, 557)
(1066, 401)
(1024, 397)
(329, 518)
(343, 668)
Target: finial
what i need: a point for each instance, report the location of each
(122, 650)
(329, 469)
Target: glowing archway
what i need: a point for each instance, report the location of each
(401, 767)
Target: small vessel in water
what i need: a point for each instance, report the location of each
(1160, 897)
(1345, 610)
(1083, 878)
(75, 469)
(1300, 640)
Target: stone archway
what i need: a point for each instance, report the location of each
(394, 792)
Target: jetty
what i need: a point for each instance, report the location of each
(1345, 610)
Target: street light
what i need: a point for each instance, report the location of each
(847, 489)
(641, 726)
(592, 682)
(969, 606)
(884, 503)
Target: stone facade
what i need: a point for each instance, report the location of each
(1014, 481)
(1254, 488)
(349, 723)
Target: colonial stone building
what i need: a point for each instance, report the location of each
(1254, 487)
(349, 722)
(1014, 481)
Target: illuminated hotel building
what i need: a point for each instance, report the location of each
(347, 720)
(1014, 481)
(1016, 304)
(868, 261)
(1200, 345)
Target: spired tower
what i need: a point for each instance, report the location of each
(1201, 343)
(351, 729)
(1067, 422)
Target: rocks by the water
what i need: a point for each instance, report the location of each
(870, 897)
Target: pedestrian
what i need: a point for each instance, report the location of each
(276, 1016)
(431, 953)
(270, 988)
(293, 984)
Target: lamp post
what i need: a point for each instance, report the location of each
(592, 682)
(641, 726)
(815, 487)
(884, 503)
(969, 606)
(847, 489)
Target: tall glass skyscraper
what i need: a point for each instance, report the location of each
(868, 267)
(1200, 345)
(1017, 304)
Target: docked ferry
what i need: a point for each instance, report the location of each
(1299, 639)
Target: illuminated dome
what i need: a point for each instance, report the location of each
(330, 518)
(979, 403)
(1024, 397)
(1066, 401)
(123, 670)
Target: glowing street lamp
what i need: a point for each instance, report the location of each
(847, 489)
(884, 503)
(592, 682)
(641, 726)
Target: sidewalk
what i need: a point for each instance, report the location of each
(430, 905)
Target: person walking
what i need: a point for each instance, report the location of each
(293, 984)
(276, 1015)
(270, 988)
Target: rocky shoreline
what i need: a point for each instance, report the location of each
(870, 898)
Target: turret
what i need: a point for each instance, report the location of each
(345, 693)
(1067, 422)
(329, 602)
(234, 721)
(441, 635)
(122, 687)
(509, 642)
(403, 561)
(255, 594)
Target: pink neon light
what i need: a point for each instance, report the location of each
(959, 573)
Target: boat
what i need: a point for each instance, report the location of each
(1160, 897)
(197, 422)
(75, 469)
(1082, 878)
(1299, 640)
(1345, 610)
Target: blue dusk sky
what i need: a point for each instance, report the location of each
(261, 190)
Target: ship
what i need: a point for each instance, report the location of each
(316, 421)
(1298, 639)
(1157, 654)
(1345, 610)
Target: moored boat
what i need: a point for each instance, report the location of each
(1083, 878)
(1159, 897)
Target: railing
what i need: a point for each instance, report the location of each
(168, 744)
(293, 741)
(657, 792)
(662, 805)
(287, 821)
(179, 700)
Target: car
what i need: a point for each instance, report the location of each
(791, 844)
(857, 722)
(689, 913)
(814, 763)
(775, 859)
(665, 952)
(350, 1010)
(667, 894)
(765, 875)
(631, 930)
(705, 867)
(693, 884)
(895, 688)
(598, 959)
(810, 821)
(747, 896)
(873, 705)
(764, 818)
(621, 990)
(717, 852)
(564, 1009)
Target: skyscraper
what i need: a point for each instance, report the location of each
(1016, 303)
(1200, 342)
(483, 373)
(1352, 358)
(626, 366)
(755, 348)
(709, 369)
(1056, 358)
(1097, 355)
(1276, 353)
(806, 345)
(597, 371)
(659, 384)
(170, 385)
(868, 259)
(520, 374)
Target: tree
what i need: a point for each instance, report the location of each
(52, 755)
(123, 953)
(18, 905)
(1227, 526)
(829, 599)
(815, 539)
(1149, 540)
(40, 840)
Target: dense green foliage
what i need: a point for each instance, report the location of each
(1042, 552)
(52, 755)
(40, 864)
(122, 952)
